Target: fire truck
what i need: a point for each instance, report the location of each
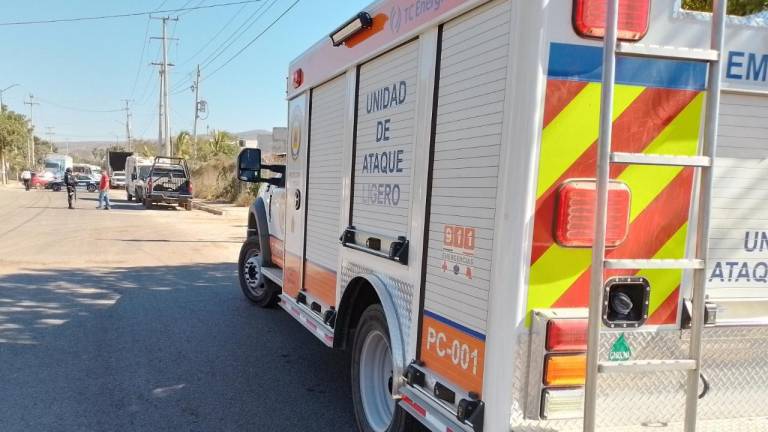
(527, 215)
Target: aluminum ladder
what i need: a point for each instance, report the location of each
(692, 364)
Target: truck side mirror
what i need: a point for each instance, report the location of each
(249, 165)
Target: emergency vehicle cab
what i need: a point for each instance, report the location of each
(436, 212)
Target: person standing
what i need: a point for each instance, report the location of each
(104, 191)
(70, 183)
(26, 178)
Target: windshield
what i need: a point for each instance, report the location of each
(144, 171)
(52, 165)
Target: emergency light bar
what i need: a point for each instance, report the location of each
(350, 28)
(589, 18)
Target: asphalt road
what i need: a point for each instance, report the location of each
(132, 320)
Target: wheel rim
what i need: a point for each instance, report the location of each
(376, 381)
(254, 279)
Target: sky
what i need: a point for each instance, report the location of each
(78, 70)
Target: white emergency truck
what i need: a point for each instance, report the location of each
(514, 222)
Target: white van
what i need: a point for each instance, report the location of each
(136, 171)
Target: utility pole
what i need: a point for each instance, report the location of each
(31, 102)
(196, 88)
(128, 122)
(52, 134)
(165, 125)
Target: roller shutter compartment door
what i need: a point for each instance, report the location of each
(462, 214)
(738, 254)
(384, 142)
(324, 190)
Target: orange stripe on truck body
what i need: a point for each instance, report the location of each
(320, 282)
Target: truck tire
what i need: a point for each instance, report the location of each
(372, 365)
(147, 203)
(188, 206)
(255, 286)
(91, 188)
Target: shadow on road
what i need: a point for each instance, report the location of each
(159, 348)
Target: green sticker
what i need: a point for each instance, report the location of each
(620, 350)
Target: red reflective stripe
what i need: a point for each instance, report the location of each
(663, 218)
(560, 93)
(634, 130)
(419, 409)
(667, 312)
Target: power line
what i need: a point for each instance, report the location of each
(214, 37)
(229, 41)
(253, 40)
(125, 15)
(143, 50)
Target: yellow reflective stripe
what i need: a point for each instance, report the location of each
(576, 128)
(664, 282)
(680, 137)
(554, 272)
(558, 268)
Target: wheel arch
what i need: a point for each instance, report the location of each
(361, 292)
(258, 227)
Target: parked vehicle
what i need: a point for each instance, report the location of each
(116, 160)
(438, 215)
(84, 182)
(56, 164)
(168, 182)
(136, 172)
(117, 180)
(38, 181)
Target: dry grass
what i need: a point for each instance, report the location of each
(215, 181)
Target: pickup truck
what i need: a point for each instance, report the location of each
(168, 182)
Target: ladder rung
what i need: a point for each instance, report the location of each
(641, 366)
(656, 159)
(660, 264)
(670, 52)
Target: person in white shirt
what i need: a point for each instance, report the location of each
(26, 178)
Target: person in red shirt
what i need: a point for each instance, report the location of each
(104, 191)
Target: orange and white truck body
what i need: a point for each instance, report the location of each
(440, 158)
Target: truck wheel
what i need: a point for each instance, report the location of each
(372, 377)
(91, 188)
(56, 188)
(147, 203)
(256, 287)
(188, 205)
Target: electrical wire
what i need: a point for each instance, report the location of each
(228, 42)
(143, 50)
(210, 40)
(125, 15)
(224, 46)
(252, 40)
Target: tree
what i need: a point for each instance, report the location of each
(735, 7)
(222, 143)
(183, 145)
(14, 135)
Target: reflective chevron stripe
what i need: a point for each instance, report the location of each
(652, 118)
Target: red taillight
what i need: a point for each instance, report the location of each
(589, 18)
(575, 218)
(566, 335)
(189, 187)
(149, 185)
